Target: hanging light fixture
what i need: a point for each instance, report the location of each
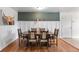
(40, 8)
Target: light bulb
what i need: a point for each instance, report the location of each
(40, 8)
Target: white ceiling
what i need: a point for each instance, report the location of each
(47, 9)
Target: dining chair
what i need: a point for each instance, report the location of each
(32, 38)
(44, 38)
(56, 36)
(22, 38)
(33, 29)
(42, 29)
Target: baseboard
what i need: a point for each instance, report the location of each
(66, 37)
(70, 44)
(6, 45)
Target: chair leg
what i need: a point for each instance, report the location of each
(24, 43)
(36, 44)
(19, 42)
(28, 44)
(40, 44)
(56, 42)
(47, 44)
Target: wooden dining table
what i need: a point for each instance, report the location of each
(50, 36)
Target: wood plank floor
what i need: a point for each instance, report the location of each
(62, 47)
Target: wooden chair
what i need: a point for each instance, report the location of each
(33, 29)
(44, 38)
(32, 38)
(42, 29)
(56, 36)
(22, 38)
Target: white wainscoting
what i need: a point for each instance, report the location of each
(8, 33)
(50, 25)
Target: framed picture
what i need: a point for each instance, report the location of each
(8, 20)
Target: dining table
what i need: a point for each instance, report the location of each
(37, 34)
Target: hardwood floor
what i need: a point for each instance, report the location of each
(62, 47)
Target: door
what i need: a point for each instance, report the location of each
(66, 26)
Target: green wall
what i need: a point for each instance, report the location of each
(43, 16)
